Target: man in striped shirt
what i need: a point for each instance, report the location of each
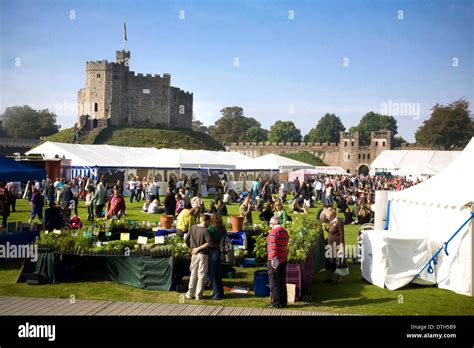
(277, 250)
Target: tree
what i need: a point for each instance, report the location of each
(25, 122)
(256, 135)
(371, 122)
(304, 156)
(326, 131)
(198, 126)
(398, 141)
(449, 126)
(232, 111)
(284, 132)
(232, 127)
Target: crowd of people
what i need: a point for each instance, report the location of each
(351, 195)
(203, 228)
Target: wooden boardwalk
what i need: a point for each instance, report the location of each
(56, 306)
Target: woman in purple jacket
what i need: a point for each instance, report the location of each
(37, 203)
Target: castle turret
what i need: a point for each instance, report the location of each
(122, 57)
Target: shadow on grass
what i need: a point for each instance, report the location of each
(8, 265)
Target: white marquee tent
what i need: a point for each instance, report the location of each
(420, 220)
(86, 159)
(274, 162)
(410, 160)
(185, 159)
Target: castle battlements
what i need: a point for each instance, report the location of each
(295, 146)
(347, 153)
(98, 64)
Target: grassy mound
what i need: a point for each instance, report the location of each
(304, 156)
(143, 137)
(63, 136)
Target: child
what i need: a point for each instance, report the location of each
(348, 218)
(75, 222)
(89, 204)
(146, 206)
(306, 205)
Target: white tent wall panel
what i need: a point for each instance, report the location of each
(405, 258)
(437, 225)
(374, 257)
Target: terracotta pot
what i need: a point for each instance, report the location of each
(166, 221)
(237, 223)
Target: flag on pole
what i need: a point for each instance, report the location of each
(124, 30)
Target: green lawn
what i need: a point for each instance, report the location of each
(353, 296)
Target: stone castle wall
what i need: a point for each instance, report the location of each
(348, 153)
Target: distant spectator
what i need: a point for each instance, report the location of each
(37, 203)
(221, 208)
(179, 204)
(146, 206)
(212, 208)
(154, 206)
(4, 204)
(245, 211)
(348, 217)
(99, 199)
(116, 206)
(170, 202)
(75, 222)
(89, 203)
(53, 217)
(12, 194)
(186, 219)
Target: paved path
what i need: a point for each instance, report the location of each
(56, 306)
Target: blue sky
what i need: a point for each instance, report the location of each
(289, 69)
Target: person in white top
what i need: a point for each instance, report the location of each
(318, 190)
(133, 190)
(153, 208)
(153, 190)
(226, 198)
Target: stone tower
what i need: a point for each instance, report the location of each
(114, 95)
(348, 151)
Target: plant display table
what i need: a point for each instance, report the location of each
(144, 272)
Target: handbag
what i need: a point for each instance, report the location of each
(227, 251)
(341, 263)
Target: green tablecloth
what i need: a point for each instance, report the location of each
(320, 259)
(144, 272)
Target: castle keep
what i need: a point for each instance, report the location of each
(114, 95)
(347, 154)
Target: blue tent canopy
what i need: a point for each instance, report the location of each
(16, 171)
